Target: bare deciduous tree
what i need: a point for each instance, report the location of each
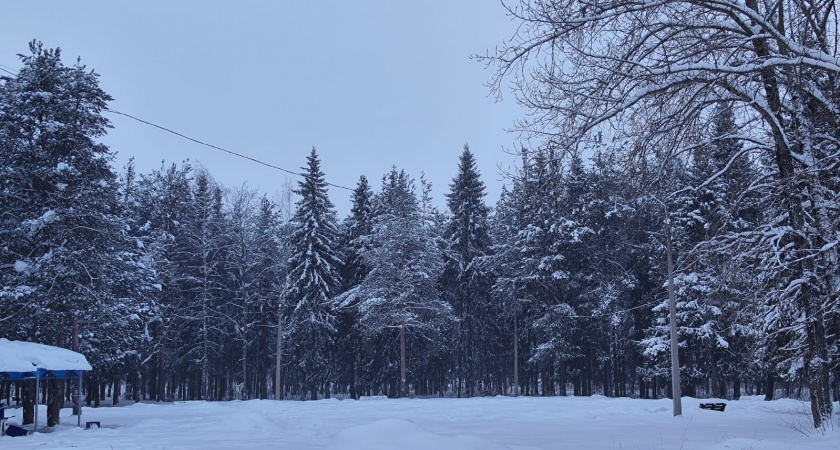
(654, 68)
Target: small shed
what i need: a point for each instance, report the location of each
(30, 361)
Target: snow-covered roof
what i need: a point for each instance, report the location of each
(19, 356)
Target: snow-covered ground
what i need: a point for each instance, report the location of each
(438, 424)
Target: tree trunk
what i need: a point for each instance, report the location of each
(817, 364)
(115, 393)
(714, 380)
(403, 391)
(96, 391)
(244, 394)
(161, 371)
(205, 371)
(354, 393)
(28, 396)
(55, 402)
(561, 378)
(769, 387)
(515, 357)
(816, 350)
(468, 359)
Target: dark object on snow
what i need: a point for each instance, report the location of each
(90, 424)
(15, 431)
(713, 406)
(3, 417)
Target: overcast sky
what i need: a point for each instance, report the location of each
(369, 83)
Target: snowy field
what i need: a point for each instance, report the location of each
(438, 424)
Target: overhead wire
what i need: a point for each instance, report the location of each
(8, 70)
(613, 313)
(216, 147)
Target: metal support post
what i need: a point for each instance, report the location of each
(37, 395)
(79, 400)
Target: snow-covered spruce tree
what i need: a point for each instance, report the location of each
(529, 271)
(715, 293)
(783, 82)
(283, 239)
(164, 208)
(431, 357)
(358, 224)
(511, 262)
(312, 281)
(668, 241)
(613, 283)
(268, 268)
(349, 337)
(176, 216)
(398, 301)
(566, 339)
(241, 278)
(467, 287)
(555, 272)
(498, 265)
(252, 269)
(203, 233)
(64, 242)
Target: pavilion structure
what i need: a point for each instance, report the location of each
(30, 361)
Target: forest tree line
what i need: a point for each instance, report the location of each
(176, 287)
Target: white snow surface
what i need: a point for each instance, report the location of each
(19, 356)
(48, 217)
(20, 266)
(386, 434)
(523, 423)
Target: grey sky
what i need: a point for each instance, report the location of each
(370, 83)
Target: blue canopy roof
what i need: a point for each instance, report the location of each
(27, 361)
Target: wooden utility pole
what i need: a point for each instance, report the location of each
(675, 355)
(278, 385)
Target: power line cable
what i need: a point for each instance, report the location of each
(5, 68)
(216, 147)
(613, 313)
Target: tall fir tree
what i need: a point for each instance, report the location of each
(268, 267)
(467, 285)
(312, 281)
(242, 279)
(164, 208)
(355, 229)
(358, 224)
(398, 302)
(203, 251)
(65, 256)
